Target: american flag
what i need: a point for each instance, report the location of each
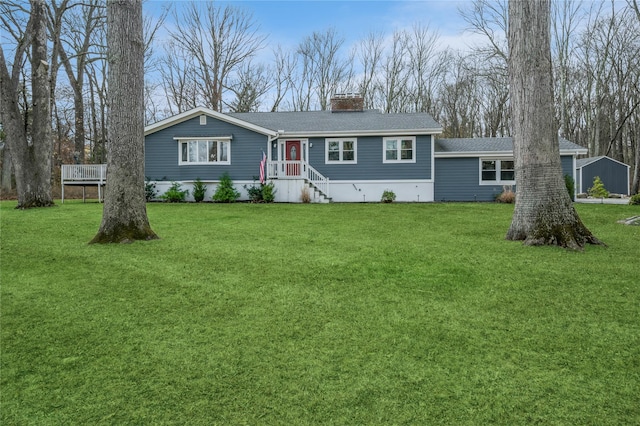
(262, 166)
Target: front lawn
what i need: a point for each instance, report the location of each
(317, 314)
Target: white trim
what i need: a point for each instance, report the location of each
(579, 181)
(575, 182)
(399, 149)
(361, 133)
(341, 150)
(304, 147)
(203, 138)
(187, 115)
(433, 158)
(602, 157)
(498, 171)
(363, 181)
(496, 154)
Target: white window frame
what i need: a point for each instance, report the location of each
(498, 180)
(398, 149)
(218, 140)
(341, 142)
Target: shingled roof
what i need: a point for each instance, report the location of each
(309, 123)
(504, 145)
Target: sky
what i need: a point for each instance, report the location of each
(288, 22)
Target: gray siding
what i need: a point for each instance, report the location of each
(567, 165)
(614, 176)
(458, 179)
(370, 165)
(161, 152)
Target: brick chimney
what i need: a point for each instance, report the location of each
(347, 102)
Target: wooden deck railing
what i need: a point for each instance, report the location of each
(84, 175)
(84, 172)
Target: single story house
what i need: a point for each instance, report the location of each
(613, 173)
(347, 154)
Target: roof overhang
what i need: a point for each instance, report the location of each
(361, 133)
(196, 112)
(475, 154)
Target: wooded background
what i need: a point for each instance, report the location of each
(212, 55)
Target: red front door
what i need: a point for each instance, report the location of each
(293, 153)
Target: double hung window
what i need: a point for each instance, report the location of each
(399, 150)
(341, 151)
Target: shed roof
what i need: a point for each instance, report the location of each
(586, 161)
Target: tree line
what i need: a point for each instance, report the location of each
(206, 54)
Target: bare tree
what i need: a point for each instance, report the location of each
(181, 88)
(250, 85)
(489, 18)
(635, 183)
(395, 75)
(31, 152)
(124, 218)
(282, 73)
(74, 50)
(426, 67)
(566, 18)
(460, 98)
(544, 213)
(320, 53)
(370, 54)
(218, 40)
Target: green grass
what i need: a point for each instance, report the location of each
(317, 314)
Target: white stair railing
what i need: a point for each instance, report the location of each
(318, 180)
(298, 170)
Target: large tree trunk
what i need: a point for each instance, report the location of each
(31, 159)
(6, 184)
(635, 182)
(124, 217)
(544, 214)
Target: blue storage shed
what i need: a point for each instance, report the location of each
(613, 174)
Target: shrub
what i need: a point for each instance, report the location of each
(150, 191)
(571, 186)
(506, 196)
(268, 192)
(598, 190)
(254, 192)
(175, 194)
(199, 189)
(225, 192)
(388, 196)
(265, 193)
(634, 200)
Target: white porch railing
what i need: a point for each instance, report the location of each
(298, 170)
(84, 175)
